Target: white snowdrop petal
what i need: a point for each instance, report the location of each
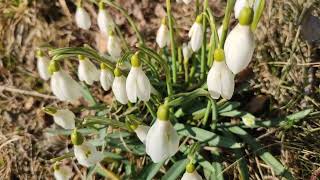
(87, 155)
(131, 85)
(227, 83)
(239, 48)
(191, 176)
(239, 5)
(119, 89)
(197, 37)
(142, 132)
(42, 65)
(143, 86)
(104, 21)
(191, 30)
(87, 71)
(186, 51)
(187, 1)
(214, 80)
(63, 173)
(64, 118)
(163, 37)
(114, 46)
(82, 18)
(173, 140)
(106, 79)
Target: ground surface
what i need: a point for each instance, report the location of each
(282, 78)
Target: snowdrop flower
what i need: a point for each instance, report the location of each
(82, 17)
(248, 120)
(114, 45)
(141, 131)
(191, 173)
(220, 79)
(62, 85)
(162, 139)
(104, 20)
(119, 87)
(87, 71)
(196, 34)
(63, 117)
(106, 77)
(186, 51)
(185, 1)
(42, 65)
(62, 172)
(86, 154)
(138, 84)
(240, 43)
(163, 37)
(240, 4)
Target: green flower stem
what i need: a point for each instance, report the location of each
(206, 115)
(214, 39)
(186, 70)
(125, 14)
(180, 59)
(183, 98)
(214, 116)
(63, 53)
(257, 15)
(65, 156)
(172, 41)
(151, 110)
(204, 43)
(226, 22)
(197, 7)
(163, 63)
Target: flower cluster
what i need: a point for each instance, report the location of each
(134, 84)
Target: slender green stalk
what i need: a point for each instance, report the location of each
(204, 43)
(214, 39)
(172, 41)
(214, 116)
(206, 115)
(257, 14)
(67, 155)
(151, 110)
(226, 22)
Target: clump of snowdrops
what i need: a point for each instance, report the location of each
(170, 103)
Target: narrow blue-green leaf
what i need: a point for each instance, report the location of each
(205, 136)
(257, 14)
(87, 95)
(267, 157)
(83, 131)
(105, 172)
(175, 170)
(150, 171)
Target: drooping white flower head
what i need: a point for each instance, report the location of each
(240, 43)
(196, 34)
(87, 71)
(163, 37)
(119, 87)
(82, 18)
(191, 173)
(141, 131)
(114, 45)
(138, 84)
(248, 120)
(64, 118)
(240, 4)
(186, 51)
(106, 77)
(162, 139)
(43, 65)
(220, 79)
(86, 154)
(62, 85)
(62, 172)
(104, 20)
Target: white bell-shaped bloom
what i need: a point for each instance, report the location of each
(196, 34)
(82, 18)
(163, 36)
(114, 45)
(119, 87)
(142, 131)
(249, 120)
(162, 139)
(186, 51)
(104, 20)
(87, 155)
(64, 118)
(87, 71)
(106, 77)
(220, 79)
(240, 4)
(191, 176)
(138, 84)
(239, 47)
(63, 86)
(62, 172)
(43, 65)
